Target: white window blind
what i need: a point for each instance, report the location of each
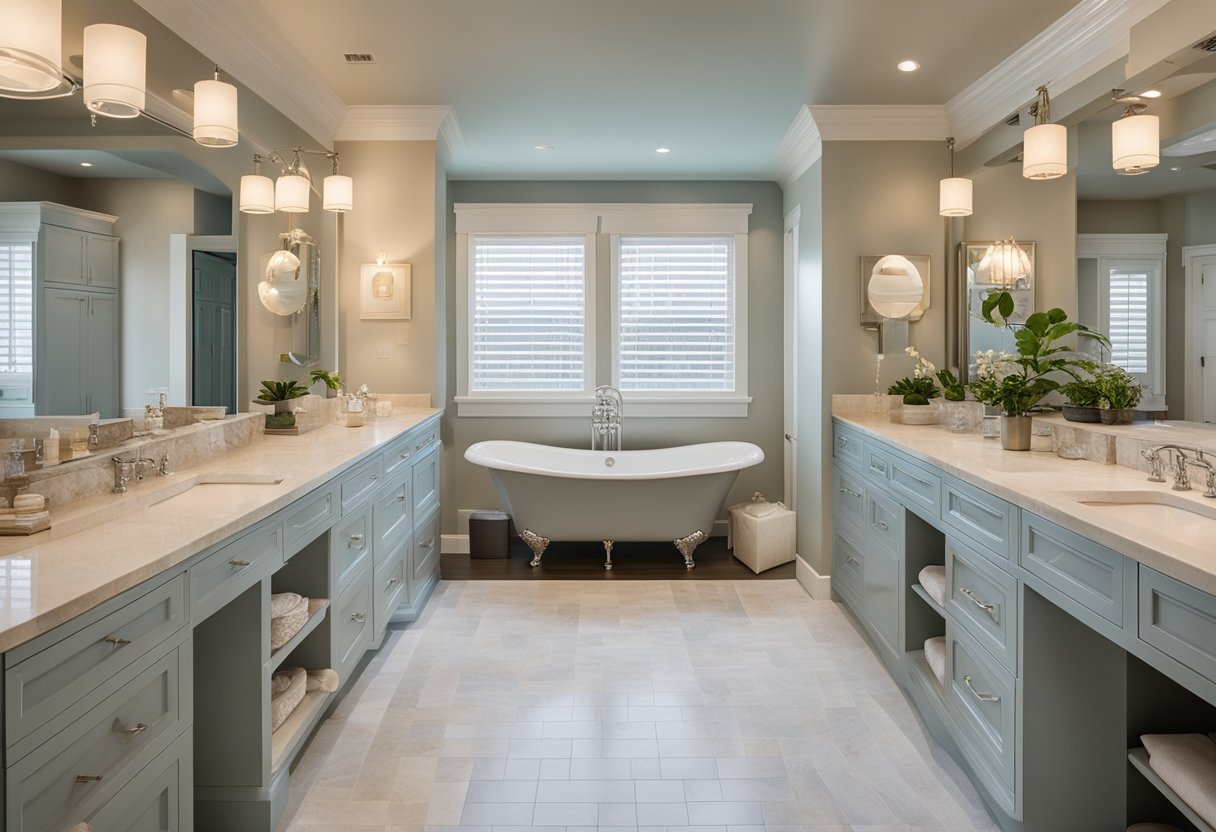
(528, 316)
(17, 308)
(676, 315)
(1129, 319)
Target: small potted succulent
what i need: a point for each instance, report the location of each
(917, 390)
(1119, 394)
(331, 380)
(1084, 399)
(280, 394)
(955, 394)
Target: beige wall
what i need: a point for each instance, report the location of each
(1118, 216)
(19, 183)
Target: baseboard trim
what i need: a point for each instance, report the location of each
(817, 586)
(454, 544)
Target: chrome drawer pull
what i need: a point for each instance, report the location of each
(881, 524)
(852, 560)
(430, 541)
(238, 564)
(850, 492)
(115, 641)
(993, 610)
(391, 581)
(880, 467)
(356, 538)
(137, 728)
(358, 617)
(401, 498)
(374, 477)
(88, 778)
(983, 697)
(844, 441)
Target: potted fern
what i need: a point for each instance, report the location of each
(331, 380)
(280, 394)
(917, 390)
(1118, 394)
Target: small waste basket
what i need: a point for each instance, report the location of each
(763, 533)
(489, 534)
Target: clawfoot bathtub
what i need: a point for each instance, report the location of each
(572, 494)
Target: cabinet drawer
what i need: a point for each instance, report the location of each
(983, 600)
(986, 519)
(425, 555)
(352, 623)
(884, 520)
(426, 481)
(916, 485)
(389, 585)
(350, 546)
(88, 762)
(359, 484)
(982, 699)
(226, 573)
(66, 669)
(1090, 574)
(303, 524)
(1178, 620)
(849, 494)
(398, 454)
(847, 446)
(158, 799)
(392, 514)
(848, 563)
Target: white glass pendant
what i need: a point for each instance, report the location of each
(1135, 144)
(954, 198)
(291, 194)
(215, 114)
(1045, 151)
(339, 193)
(31, 50)
(115, 70)
(284, 291)
(257, 194)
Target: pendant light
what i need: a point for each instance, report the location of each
(338, 191)
(1005, 264)
(954, 197)
(1135, 140)
(1044, 146)
(115, 70)
(215, 112)
(31, 50)
(257, 191)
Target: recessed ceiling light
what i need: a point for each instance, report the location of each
(1175, 168)
(662, 150)
(1151, 94)
(542, 147)
(907, 66)
(86, 164)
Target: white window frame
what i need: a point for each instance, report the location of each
(591, 220)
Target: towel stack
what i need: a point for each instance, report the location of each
(288, 614)
(1187, 764)
(933, 581)
(288, 687)
(935, 655)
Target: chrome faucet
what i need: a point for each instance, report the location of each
(94, 435)
(606, 416)
(1181, 467)
(126, 470)
(1209, 486)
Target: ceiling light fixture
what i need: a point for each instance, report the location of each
(1044, 146)
(907, 66)
(954, 194)
(215, 112)
(1151, 94)
(86, 164)
(290, 193)
(542, 147)
(115, 70)
(31, 51)
(662, 150)
(1005, 264)
(1135, 137)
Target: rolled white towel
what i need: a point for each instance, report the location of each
(282, 603)
(326, 680)
(1187, 763)
(935, 655)
(933, 579)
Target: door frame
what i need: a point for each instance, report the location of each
(789, 440)
(1192, 401)
(181, 310)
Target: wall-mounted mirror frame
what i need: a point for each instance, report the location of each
(976, 281)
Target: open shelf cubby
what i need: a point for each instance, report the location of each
(287, 739)
(923, 619)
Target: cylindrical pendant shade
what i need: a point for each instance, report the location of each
(339, 194)
(291, 194)
(215, 114)
(954, 199)
(1045, 151)
(1135, 144)
(31, 53)
(257, 194)
(115, 70)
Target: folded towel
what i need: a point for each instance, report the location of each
(283, 602)
(933, 579)
(326, 680)
(935, 655)
(1187, 763)
(287, 689)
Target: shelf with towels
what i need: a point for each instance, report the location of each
(929, 599)
(317, 608)
(290, 736)
(1138, 757)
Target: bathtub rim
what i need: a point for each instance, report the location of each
(481, 453)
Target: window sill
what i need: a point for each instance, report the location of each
(579, 407)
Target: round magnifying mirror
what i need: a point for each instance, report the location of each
(895, 288)
(284, 291)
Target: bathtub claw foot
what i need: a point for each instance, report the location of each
(536, 543)
(608, 554)
(688, 544)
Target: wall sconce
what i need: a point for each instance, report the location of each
(1135, 137)
(1044, 146)
(954, 196)
(290, 192)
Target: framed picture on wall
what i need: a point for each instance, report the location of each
(384, 291)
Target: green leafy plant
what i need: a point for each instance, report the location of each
(281, 391)
(953, 388)
(1117, 389)
(332, 380)
(1082, 392)
(1017, 382)
(919, 387)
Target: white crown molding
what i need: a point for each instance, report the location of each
(399, 122)
(879, 122)
(798, 149)
(239, 35)
(1091, 35)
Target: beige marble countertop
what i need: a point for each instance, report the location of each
(1179, 544)
(100, 547)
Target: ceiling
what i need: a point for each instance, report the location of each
(605, 84)
(116, 164)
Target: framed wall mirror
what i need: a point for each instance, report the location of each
(987, 267)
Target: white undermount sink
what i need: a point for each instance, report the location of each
(241, 482)
(1183, 519)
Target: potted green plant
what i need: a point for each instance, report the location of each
(331, 380)
(1119, 393)
(1018, 382)
(1083, 400)
(280, 394)
(917, 390)
(954, 391)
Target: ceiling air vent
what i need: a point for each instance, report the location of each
(1207, 45)
(359, 57)
(1014, 119)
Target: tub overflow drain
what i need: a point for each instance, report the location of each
(609, 461)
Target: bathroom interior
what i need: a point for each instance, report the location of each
(439, 417)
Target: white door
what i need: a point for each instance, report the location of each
(790, 418)
(1201, 347)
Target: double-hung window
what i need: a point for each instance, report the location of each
(17, 309)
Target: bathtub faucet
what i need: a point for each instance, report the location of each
(606, 415)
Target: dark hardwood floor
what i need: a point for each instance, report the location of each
(585, 562)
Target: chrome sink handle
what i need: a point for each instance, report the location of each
(1153, 455)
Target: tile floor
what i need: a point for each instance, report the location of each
(704, 706)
